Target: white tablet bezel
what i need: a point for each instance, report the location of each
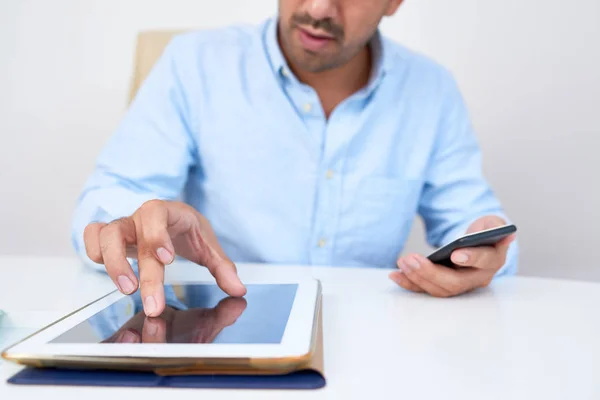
(296, 340)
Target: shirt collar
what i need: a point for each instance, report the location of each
(276, 57)
(382, 52)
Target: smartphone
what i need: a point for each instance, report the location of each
(488, 237)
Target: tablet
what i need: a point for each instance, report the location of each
(274, 320)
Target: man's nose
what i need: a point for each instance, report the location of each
(322, 9)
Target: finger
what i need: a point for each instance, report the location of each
(154, 251)
(225, 273)
(421, 274)
(154, 331)
(402, 281)
(219, 265)
(113, 241)
(91, 239)
(152, 221)
(151, 284)
(456, 281)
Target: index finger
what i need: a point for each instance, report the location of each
(152, 241)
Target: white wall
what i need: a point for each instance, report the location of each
(529, 70)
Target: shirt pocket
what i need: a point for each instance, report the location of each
(375, 219)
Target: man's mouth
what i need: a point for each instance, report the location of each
(314, 40)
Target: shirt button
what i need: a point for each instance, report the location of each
(285, 73)
(322, 243)
(329, 174)
(308, 107)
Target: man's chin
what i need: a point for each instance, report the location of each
(313, 64)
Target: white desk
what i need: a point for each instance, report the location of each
(522, 338)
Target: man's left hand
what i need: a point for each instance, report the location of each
(476, 266)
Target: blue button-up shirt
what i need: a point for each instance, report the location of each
(223, 124)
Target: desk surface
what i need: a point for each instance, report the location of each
(522, 338)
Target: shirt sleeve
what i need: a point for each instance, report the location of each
(148, 157)
(455, 192)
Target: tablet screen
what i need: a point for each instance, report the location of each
(194, 314)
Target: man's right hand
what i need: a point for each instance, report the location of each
(154, 234)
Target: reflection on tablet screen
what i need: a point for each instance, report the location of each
(194, 314)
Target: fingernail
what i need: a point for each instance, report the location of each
(164, 256)
(413, 263)
(149, 305)
(125, 284)
(151, 328)
(461, 257)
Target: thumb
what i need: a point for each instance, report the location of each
(225, 273)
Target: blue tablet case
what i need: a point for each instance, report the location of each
(307, 379)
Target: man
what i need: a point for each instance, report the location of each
(309, 139)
